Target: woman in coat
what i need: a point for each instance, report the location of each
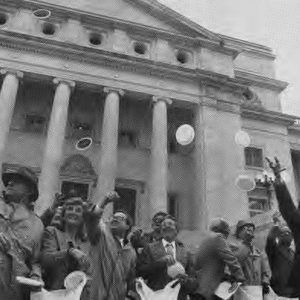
(65, 247)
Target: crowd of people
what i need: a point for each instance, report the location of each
(72, 235)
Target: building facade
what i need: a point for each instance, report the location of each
(127, 74)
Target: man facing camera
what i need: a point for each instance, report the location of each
(157, 260)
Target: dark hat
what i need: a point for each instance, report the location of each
(219, 225)
(240, 224)
(159, 214)
(26, 174)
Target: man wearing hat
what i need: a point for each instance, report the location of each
(253, 261)
(20, 232)
(211, 258)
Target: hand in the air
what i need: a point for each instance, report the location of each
(111, 197)
(276, 218)
(4, 243)
(276, 167)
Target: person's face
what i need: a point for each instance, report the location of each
(169, 230)
(247, 233)
(285, 237)
(118, 223)
(73, 214)
(16, 189)
(156, 223)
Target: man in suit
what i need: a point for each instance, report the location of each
(157, 257)
(140, 239)
(212, 257)
(281, 258)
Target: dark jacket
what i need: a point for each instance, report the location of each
(210, 261)
(55, 258)
(291, 215)
(155, 272)
(281, 262)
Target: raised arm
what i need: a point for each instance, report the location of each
(93, 215)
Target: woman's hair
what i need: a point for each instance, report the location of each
(58, 219)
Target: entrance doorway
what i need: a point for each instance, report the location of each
(79, 189)
(126, 202)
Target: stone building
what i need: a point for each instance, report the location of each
(127, 73)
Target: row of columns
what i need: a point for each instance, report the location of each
(107, 167)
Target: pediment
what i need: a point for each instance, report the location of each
(150, 13)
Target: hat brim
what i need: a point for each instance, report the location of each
(7, 176)
(238, 229)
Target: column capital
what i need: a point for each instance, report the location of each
(17, 73)
(70, 83)
(156, 99)
(108, 89)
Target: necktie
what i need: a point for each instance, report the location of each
(170, 250)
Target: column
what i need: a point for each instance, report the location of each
(8, 97)
(158, 183)
(198, 210)
(107, 167)
(54, 144)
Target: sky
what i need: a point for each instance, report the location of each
(274, 23)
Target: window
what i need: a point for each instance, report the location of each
(75, 188)
(254, 157)
(126, 202)
(258, 206)
(173, 206)
(127, 138)
(34, 123)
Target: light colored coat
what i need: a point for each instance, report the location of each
(113, 265)
(254, 263)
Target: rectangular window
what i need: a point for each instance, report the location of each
(127, 138)
(254, 157)
(258, 206)
(35, 123)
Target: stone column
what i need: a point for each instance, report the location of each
(107, 167)
(8, 97)
(54, 144)
(158, 183)
(198, 210)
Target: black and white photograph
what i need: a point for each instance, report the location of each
(149, 149)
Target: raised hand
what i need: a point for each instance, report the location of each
(276, 167)
(111, 197)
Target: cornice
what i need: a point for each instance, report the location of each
(259, 80)
(268, 116)
(250, 47)
(68, 51)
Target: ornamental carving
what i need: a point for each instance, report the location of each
(77, 165)
(251, 99)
